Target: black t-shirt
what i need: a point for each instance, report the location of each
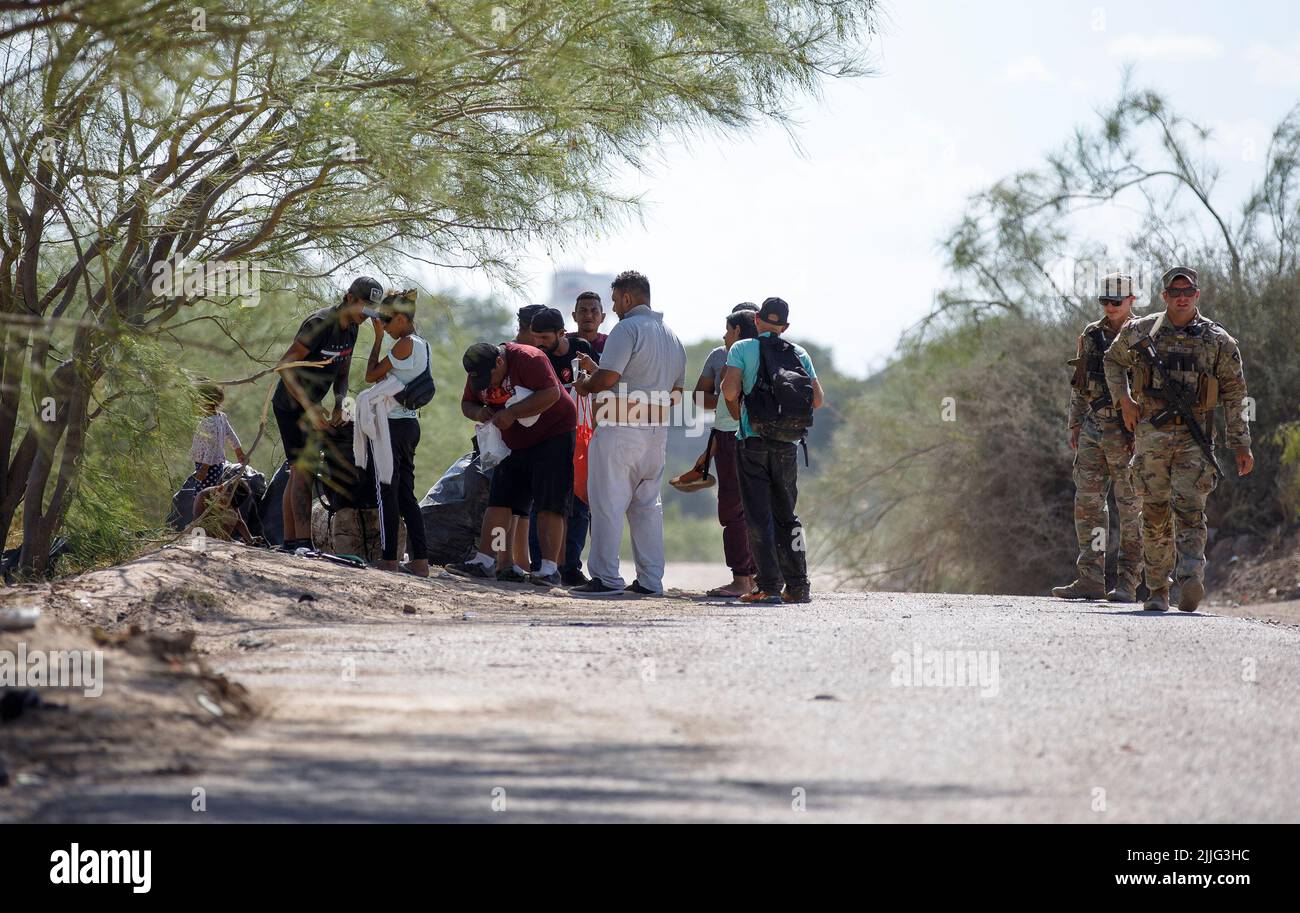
(563, 364)
(324, 338)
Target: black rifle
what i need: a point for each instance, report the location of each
(1175, 395)
(1104, 401)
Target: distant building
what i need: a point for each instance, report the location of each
(568, 284)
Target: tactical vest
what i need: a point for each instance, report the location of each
(1090, 375)
(1189, 354)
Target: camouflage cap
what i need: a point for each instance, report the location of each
(1116, 285)
(1173, 273)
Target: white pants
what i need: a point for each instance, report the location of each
(624, 474)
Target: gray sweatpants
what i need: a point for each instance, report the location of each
(624, 474)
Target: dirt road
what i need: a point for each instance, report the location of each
(391, 699)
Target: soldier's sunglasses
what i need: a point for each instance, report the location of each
(1181, 292)
(1111, 302)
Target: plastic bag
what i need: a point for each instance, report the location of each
(453, 510)
(581, 444)
(491, 446)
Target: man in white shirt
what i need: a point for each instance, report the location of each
(642, 373)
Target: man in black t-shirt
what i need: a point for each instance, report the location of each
(328, 335)
(561, 350)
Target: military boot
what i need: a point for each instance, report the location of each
(1125, 591)
(1193, 591)
(1158, 601)
(1080, 589)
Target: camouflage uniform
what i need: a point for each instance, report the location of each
(1102, 458)
(1171, 473)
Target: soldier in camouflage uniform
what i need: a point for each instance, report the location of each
(1103, 448)
(1172, 474)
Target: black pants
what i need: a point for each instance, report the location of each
(397, 500)
(769, 488)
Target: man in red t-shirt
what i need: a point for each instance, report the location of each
(539, 470)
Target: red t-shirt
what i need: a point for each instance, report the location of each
(528, 367)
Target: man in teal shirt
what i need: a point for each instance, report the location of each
(769, 471)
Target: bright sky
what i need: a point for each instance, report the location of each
(846, 229)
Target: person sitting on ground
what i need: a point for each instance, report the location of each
(208, 451)
(539, 468)
(406, 360)
(327, 335)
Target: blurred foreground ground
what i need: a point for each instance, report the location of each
(378, 697)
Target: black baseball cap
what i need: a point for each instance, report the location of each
(548, 320)
(528, 312)
(366, 289)
(775, 311)
(479, 360)
(745, 306)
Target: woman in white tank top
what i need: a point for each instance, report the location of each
(406, 360)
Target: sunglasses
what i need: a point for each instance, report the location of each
(1181, 292)
(1111, 302)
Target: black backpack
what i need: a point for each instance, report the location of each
(780, 406)
(419, 392)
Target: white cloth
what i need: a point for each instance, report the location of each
(625, 471)
(370, 424)
(521, 394)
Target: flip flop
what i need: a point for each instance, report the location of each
(723, 592)
(693, 480)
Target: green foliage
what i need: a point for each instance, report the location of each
(1288, 483)
(310, 137)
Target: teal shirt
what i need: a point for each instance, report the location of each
(744, 355)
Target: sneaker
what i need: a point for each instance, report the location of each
(640, 590)
(762, 598)
(1191, 594)
(573, 578)
(551, 579)
(471, 569)
(595, 588)
(510, 575)
(797, 596)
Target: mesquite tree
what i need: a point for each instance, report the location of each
(307, 137)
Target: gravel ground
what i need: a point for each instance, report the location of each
(390, 699)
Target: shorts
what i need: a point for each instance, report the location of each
(540, 476)
(293, 427)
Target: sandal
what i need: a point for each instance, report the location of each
(694, 479)
(725, 592)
